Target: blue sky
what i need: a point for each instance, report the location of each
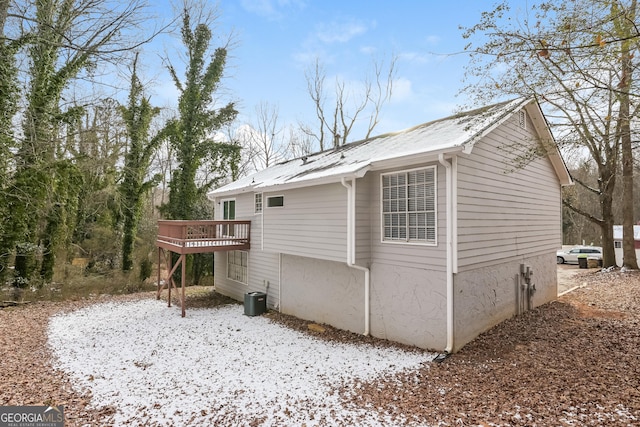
(277, 40)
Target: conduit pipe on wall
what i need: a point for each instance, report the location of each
(351, 246)
(450, 263)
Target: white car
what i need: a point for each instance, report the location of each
(571, 256)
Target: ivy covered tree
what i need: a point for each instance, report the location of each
(202, 161)
(8, 108)
(575, 58)
(65, 38)
(97, 147)
(191, 134)
(138, 116)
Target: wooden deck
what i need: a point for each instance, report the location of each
(192, 237)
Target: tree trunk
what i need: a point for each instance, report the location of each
(628, 241)
(128, 242)
(606, 225)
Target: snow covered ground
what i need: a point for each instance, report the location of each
(215, 366)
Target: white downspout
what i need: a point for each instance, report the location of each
(351, 247)
(262, 225)
(449, 211)
(454, 214)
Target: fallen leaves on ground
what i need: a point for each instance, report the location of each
(575, 361)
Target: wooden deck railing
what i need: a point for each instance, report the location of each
(188, 237)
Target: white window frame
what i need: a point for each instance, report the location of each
(258, 204)
(273, 197)
(407, 239)
(235, 271)
(222, 203)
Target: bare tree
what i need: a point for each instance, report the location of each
(300, 142)
(574, 58)
(625, 28)
(267, 137)
(337, 116)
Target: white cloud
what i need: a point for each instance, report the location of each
(402, 90)
(433, 40)
(271, 9)
(368, 50)
(340, 32)
(414, 57)
(306, 57)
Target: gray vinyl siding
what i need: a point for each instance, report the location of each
(363, 220)
(506, 210)
(426, 256)
(263, 267)
(312, 223)
(264, 273)
(263, 277)
(244, 207)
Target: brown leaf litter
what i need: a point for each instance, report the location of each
(575, 361)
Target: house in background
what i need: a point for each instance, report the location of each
(617, 242)
(427, 237)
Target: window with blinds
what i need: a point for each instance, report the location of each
(409, 206)
(237, 266)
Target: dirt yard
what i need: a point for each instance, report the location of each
(575, 361)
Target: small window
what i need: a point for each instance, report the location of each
(617, 245)
(275, 201)
(258, 203)
(237, 266)
(229, 209)
(522, 119)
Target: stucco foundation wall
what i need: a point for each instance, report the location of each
(485, 296)
(408, 305)
(323, 291)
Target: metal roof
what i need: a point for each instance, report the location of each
(456, 133)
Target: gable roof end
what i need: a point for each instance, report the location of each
(548, 142)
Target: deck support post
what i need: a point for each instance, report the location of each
(169, 282)
(171, 269)
(184, 237)
(184, 273)
(160, 287)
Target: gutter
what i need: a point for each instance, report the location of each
(351, 247)
(450, 255)
(353, 171)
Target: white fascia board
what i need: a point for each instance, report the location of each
(410, 159)
(549, 143)
(328, 179)
(213, 195)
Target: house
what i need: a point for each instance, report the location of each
(617, 242)
(427, 237)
